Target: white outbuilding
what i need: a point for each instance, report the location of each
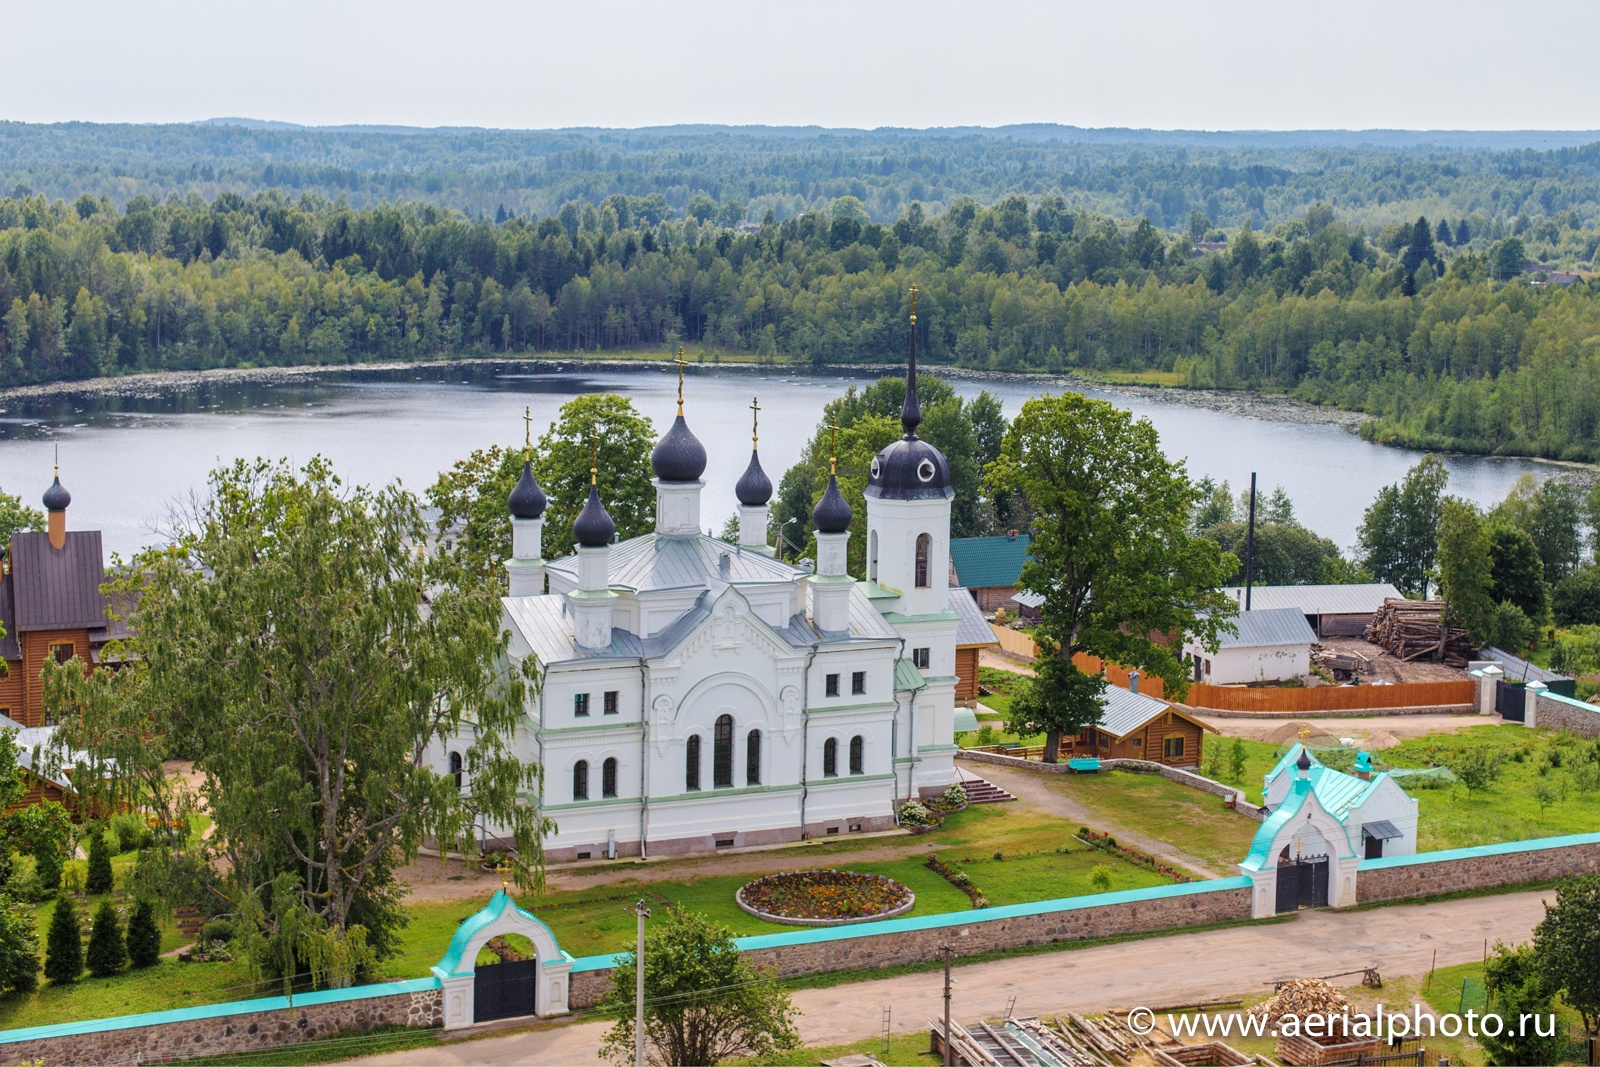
(1272, 645)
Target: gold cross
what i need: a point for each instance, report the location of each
(527, 434)
(833, 448)
(594, 454)
(681, 362)
(57, 442)
(755, 419)
(913, 302)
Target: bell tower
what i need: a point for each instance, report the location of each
(908, 509)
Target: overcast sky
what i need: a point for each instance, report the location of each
(533, 64)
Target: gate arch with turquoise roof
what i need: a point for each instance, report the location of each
(458, 970)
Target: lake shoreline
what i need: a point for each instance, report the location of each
(1250, 404)
(1246, 403)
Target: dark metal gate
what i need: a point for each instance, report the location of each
(1510, 701)
(1303, 883)
(501, 990)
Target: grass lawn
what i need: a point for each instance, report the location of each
(1151, 805)
(904, 1050)
(1046, 875)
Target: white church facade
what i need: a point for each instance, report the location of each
(697, 695)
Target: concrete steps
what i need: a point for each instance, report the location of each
(982, 792)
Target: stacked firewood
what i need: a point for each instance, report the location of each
(1415, 629)
(1302, 997)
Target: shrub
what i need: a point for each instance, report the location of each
(218, 930)
(132, 833)
(63, 953)
(1236, 760)
(1100, 876)
(1477, 768)
(144, 936)
(914, 814)
(19, 948)
(74, 877)
(986, 735)
(998, 855)
(48, 860)
(99, 879)
(107, 951)
(955, 796)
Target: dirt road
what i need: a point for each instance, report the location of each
(1401, 726)
(1399, 940)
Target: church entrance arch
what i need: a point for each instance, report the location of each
(502, 962)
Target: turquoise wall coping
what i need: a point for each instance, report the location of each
(1505, 848)
(908, 924)
(217, 1011)
(1571, 702)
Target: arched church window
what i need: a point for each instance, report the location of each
(580, 780)
(691, 755)
(872, 555)
(608, 777)
(830, 758)
(858, 754)
(924, 550)
(752, 758)
(455, 769)
(722, 753)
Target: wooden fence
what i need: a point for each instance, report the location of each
(1020, 644)
(1330, 698)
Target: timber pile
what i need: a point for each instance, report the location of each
(1413, 629)
(1303, 997)
(1345, 663)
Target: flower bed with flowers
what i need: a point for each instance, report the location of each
(825, 897)
(1109, 844)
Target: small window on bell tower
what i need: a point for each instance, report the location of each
(924, 550)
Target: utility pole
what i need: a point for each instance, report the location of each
(1250, 545)
(643, 913)
(948, 1045)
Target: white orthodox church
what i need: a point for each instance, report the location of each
(699, 695)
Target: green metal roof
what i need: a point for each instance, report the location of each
(966, 719)
(986, 562)
(907, 677)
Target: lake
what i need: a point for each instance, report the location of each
(128, 456)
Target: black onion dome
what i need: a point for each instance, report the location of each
(1304, 762)
(909, 469)
(56, 498)
(679, 456)
(594, 528)
(527, 500)
(754, 488)
(832, 515)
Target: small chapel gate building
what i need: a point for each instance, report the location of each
(478, 994)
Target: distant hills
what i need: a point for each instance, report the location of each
(1489, 140)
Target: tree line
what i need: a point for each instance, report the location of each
(747, 171)
(1419, 327)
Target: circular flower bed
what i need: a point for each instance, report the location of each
(824, 898)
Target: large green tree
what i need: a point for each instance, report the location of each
(1400, 530)
(1112, 550)
(1286, 553)
(1466, 580)
(1550, 512)
(968, 432)
(1517, 573)
(310, 656)
(1567, 945)
(1522, 997)
(471, 495)
(705, 1002)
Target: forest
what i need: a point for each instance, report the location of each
(1297, 262)
(1374, 177)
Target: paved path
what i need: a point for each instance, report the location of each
(1400, 940)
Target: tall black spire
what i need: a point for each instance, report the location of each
(911, 411)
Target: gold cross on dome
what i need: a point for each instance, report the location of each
(682, 363)
(913, 301)
(833, 448)
(527, 434)
(594, 454)
(755, 419)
